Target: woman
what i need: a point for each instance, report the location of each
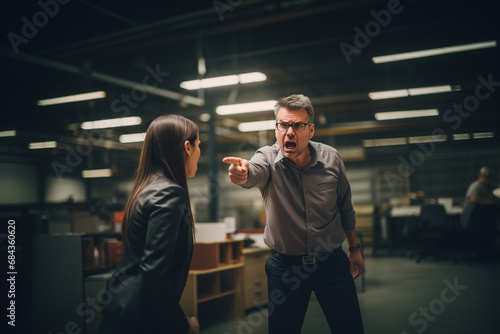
(143, 294)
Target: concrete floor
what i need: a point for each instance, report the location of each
(402, 297)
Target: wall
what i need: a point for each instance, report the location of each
(18, 184)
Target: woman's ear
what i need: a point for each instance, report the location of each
(187, 147)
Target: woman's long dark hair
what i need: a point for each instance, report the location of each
(162, 155)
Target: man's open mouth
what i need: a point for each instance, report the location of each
(290, 145)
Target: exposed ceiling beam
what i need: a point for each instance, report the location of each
(100, 76)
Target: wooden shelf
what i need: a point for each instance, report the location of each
(202, 299)
(217, 269)
(213, 287)
(217, 254)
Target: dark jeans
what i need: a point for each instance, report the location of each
(290, 283)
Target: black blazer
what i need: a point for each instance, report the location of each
(144, 292)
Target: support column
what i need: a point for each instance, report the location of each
(212, 168)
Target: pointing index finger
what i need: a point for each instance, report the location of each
(232, 160)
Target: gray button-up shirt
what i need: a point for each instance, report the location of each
(308, 209)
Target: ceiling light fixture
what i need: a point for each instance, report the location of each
(224, 80)
(242, 108)
(111, 123)
(461, 136)
(385, 142)
(481, 135)
(8, 133)
(93, 173)
(41, 145)
(257, 126)
(383, 116)
(390, 94)
(72, 98)
(434, 52)
(132, 138)
(427, 139)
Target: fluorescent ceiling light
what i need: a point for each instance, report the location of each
(385, 142)
(205, 117)
(111, 123)
(429, 90)
(73, 98)
(382, 116)
(390, 94)
(202, 69)
(433, 52)
(223, 80)
(246, 107)
(8, 133)
(461, 136)
(92, 173)
(257, 126)
(480, 135)
(132, 138)
(427, 139)
(40, 145)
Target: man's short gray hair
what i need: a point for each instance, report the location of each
(295, 102)
(484, 170)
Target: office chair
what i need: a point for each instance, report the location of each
(478, 239)
(432, 232)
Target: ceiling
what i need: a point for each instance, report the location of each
(87, 45)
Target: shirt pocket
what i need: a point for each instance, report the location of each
(327, 193)
(327, 186)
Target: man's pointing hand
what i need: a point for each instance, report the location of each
(238, 170)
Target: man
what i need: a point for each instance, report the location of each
(480, 192)
(480, 211)
(309, 213)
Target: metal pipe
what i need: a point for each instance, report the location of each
(102, 77)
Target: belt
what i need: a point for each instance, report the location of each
(305, 259)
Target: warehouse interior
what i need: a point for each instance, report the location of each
(137, 55)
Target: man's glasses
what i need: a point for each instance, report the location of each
(297, 127)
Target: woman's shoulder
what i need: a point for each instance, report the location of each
(163, 188)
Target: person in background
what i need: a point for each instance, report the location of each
(480, 192)
(307, 199)
(144, 292)
(481, 211)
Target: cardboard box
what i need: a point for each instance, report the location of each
(114, 250)
(83, 222)
(210, 232)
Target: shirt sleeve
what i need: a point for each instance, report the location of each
(473, 190)
(258, 172)
(165, 219)
(344, 201)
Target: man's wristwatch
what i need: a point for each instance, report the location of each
(355, 248)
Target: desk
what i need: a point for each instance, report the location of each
(404, 219)
(406, 211)
(254, 276)
(414, 210)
